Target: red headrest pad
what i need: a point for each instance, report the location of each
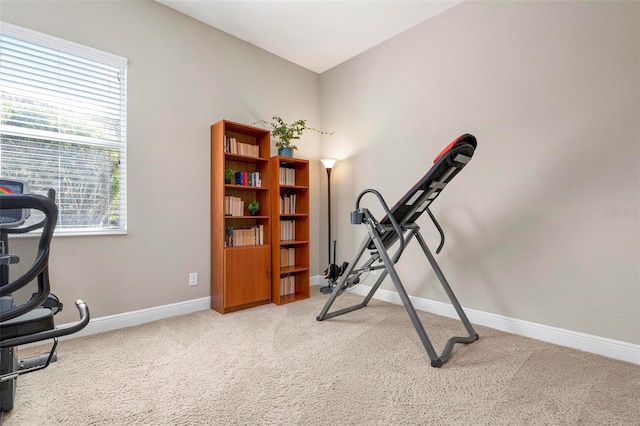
(465, 138)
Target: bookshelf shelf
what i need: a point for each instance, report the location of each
(245, 158)
(246, 217)
(292, 269)
(245, 188)
(289, 229)
(240, 243)
(245, 247)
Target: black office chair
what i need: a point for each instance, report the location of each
(27, 307)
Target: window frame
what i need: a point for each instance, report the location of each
(118, 143)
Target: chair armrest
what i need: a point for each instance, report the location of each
(52, 334)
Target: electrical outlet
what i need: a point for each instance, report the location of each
(193, 278)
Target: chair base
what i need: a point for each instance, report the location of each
(8, 364)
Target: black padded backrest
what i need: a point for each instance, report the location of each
(24, 276)
(453, 158)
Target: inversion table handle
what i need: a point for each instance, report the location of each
(394, 223)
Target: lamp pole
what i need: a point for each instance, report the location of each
(328, 164)
(329, 214)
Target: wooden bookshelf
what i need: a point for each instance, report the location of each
(289, 229)
(240, 243)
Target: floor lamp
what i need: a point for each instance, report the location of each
(328, 164)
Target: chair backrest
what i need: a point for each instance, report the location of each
(24, 252)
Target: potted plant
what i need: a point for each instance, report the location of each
(228, 175)
(253, 207)
(285, 133)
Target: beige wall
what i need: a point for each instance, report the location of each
(551, 90)
(183, 76)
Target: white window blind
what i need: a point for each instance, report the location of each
(63, 126)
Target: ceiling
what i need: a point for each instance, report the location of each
(316, 35)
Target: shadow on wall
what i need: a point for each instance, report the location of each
(531, 236)
(561, 239)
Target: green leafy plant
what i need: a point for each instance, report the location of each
(228, 174)
(285, 133)
(253, 207)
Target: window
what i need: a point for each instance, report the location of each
(63, 126)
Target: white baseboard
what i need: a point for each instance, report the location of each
(129, 319)
(594, 344)
(317, 280)
(572, 339)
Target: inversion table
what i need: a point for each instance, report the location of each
(399, 225)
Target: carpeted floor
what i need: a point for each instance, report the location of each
(276, 365)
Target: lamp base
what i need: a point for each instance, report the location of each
(326, 290)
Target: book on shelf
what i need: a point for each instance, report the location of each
(288, 203)
(287, 230)
(252, 236)
(287, 285)
(233, 206)
(287, 257)
(287, 176)
(248, 179)
(228, 237)
(232, 146)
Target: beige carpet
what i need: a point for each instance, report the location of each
(276, 365)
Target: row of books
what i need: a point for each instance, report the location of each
(287, 230)
(287, 285)
(233, 206)
(232, 146)
(253, 236)
(288, 204)
(248, 179)
(287, 176)
(287, 257)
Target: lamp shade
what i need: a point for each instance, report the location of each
(328, 162)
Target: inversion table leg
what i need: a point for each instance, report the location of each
(433, 356)
(473, 336)
(342, 283)
(324, 313)
(446, 286)
(436, 361)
